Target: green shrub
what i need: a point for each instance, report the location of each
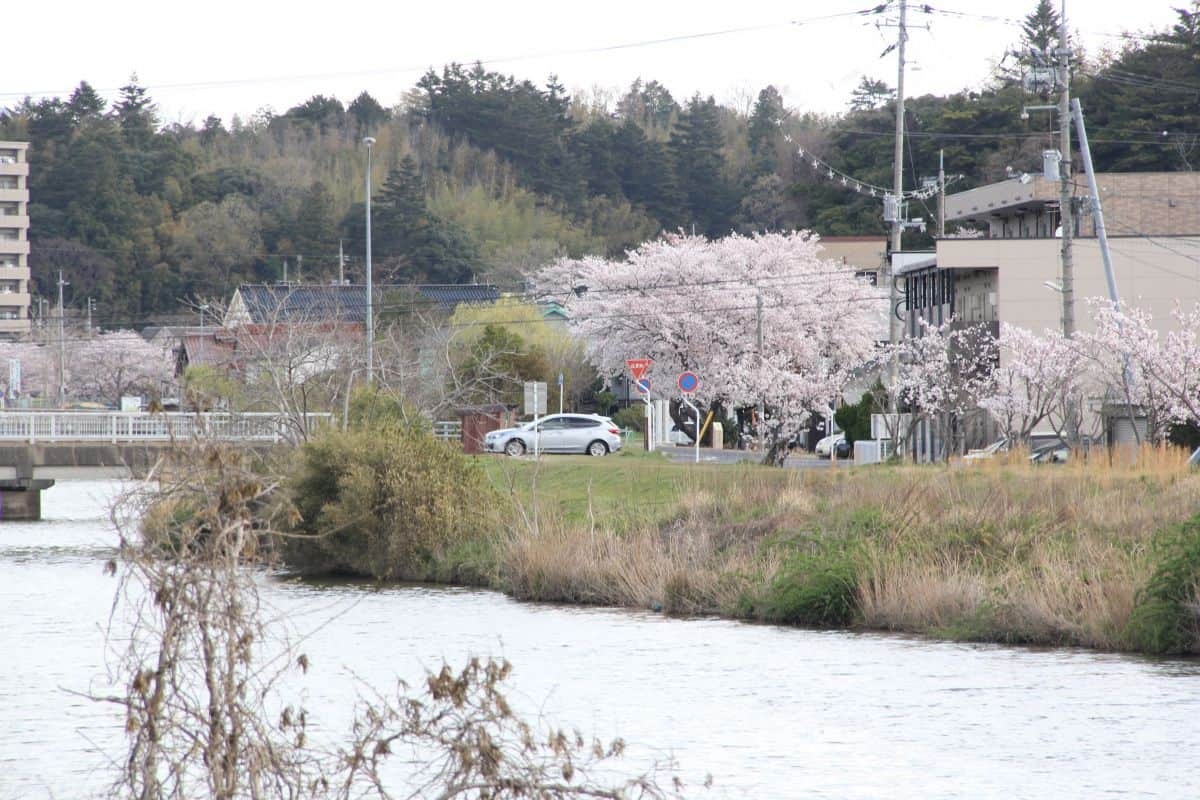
(631, 417)
(818, 588)
(1165, 618)
(388, 503)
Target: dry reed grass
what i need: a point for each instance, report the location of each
(1003, 551)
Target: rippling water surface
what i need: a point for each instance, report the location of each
(769, 712)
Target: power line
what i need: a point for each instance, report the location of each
(490, 61)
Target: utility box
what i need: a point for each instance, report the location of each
(718, 436)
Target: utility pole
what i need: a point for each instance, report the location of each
(941, 194)
(285, 275)
(299, 269)
(89, 316)
(341, 264)
(1064, 176)
(761, 406)
(62, 344)
(898, 199)
(369, 141)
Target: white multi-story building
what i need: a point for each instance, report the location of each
(14, 240)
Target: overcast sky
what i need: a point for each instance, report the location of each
(228, 57)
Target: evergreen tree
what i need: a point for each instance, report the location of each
(594, 148)
(85, 104)
(763, 135)
(367, 113)
(870, 94)
(136, 114)
(1039, 29)
(314, 233)
(696, 145)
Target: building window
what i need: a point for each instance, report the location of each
(8, 156)
(10, 312)
(10, 209)
(9, 182)
(8, 262)
(9, 286)
(9, 234)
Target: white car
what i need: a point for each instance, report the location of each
(558, 433)
(825, 447)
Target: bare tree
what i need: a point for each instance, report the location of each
(203, 714)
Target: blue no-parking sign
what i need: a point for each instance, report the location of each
(688, 382)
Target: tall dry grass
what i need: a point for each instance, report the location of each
(1003, 551)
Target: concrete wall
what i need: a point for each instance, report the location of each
(1151, 273)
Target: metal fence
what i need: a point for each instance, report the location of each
(449, 429)
(85, 426)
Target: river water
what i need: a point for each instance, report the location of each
(768, 712)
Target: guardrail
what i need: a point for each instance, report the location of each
(91, 426)
(449, 429)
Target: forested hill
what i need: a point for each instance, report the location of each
(479, 175)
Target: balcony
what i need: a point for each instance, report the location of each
(14, 221)
(18, 247)
(10, 327)
(13, 274)
(20, 168)
(14, 195)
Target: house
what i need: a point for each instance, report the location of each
(343, 304)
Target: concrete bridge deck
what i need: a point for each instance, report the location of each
(39, 448)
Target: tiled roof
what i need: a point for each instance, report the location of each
(267, 303)
(315, 303)
(451, 294)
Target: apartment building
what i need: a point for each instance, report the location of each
(1009, 274)
(14, 240)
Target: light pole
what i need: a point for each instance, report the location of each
(368, 141)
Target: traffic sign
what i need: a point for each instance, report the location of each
(637, 367)
(688, 382)
(642, 385)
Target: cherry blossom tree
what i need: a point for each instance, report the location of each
(1041, 379)
(38, 369)
(939, 379)
(693, 304)
(110, 365)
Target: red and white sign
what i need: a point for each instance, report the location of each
(637, 367)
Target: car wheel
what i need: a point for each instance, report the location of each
(597, 448)
(515, 447)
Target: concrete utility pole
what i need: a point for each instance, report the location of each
(62, 344)
(341, 265)
(369, 141)
(1064, 176)
(941, 194)
(898, 196)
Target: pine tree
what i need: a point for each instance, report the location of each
(314, 234)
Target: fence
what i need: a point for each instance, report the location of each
(449, 429)
(85, 426)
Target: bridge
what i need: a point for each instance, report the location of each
(38, 448)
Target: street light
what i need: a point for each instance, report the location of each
(369, 141)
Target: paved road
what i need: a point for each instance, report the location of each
(708, 456)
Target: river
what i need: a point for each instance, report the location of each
(769, 712)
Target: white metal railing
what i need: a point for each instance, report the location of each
(448, 429)
(93, 426)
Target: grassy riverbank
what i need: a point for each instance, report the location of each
(1094, 555)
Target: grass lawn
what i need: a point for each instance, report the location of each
(629, 487)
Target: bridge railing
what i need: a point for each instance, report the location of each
(91, 426)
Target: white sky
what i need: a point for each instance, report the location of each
(229, 57)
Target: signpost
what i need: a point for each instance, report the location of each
(535, 403)
(637, 370)
(560, 392)
(689, 383)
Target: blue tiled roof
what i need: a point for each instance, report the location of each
(315, 303)
(451, 294)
